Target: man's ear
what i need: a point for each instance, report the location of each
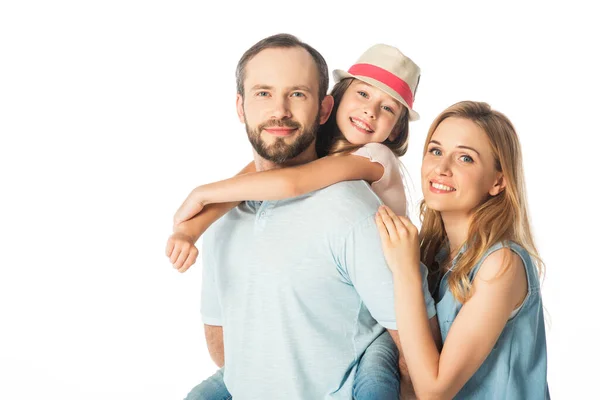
(325, 110)
(499, 185)
(239, 106)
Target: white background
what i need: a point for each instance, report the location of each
(111, 111)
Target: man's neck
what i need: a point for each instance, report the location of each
(308, 155)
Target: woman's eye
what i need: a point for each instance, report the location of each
(465, 158)
(435, 151)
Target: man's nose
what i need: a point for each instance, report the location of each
(281, 109)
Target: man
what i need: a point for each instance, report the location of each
(294, 291)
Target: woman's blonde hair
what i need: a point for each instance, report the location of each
(499, 218)
(331, 141)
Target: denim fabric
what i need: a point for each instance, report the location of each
(377, 376)
(516, 367)
(212, 388)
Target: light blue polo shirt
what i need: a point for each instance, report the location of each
(301, 288)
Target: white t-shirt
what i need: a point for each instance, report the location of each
(390, 187)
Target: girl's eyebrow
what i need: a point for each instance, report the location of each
(459, 146)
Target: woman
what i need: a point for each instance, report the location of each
(475, 236)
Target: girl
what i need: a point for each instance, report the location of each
(476, 234)
(362, 140)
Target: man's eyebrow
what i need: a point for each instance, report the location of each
(292, 88)
(261, 87)
(301, 87)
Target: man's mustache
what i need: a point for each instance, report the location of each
(280, 123)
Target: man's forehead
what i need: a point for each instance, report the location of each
(282, 68)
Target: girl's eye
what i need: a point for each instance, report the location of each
(363, 94)
(388, 109)
(466, 158)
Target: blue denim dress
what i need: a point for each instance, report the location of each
(516, 367)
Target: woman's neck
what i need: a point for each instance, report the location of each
(457, 231)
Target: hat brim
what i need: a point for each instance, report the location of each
(339, 74)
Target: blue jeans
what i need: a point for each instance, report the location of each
(211, 389)
(377, 376)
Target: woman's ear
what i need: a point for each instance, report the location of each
(499, 185)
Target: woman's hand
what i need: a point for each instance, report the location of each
(400, 240)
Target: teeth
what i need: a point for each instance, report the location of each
(360, 125)
(439, 186)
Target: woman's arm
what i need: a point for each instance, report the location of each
(286, 182)
(499, 286)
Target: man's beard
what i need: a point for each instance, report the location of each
(279, 151)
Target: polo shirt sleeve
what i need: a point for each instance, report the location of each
(363, 260)
(210, 306)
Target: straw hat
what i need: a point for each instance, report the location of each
(386, 68)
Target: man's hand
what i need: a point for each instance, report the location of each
(181, 251)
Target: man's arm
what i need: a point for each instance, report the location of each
(406, 386)
(214, 342)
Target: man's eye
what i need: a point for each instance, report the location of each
(262, 94)
(297, 94)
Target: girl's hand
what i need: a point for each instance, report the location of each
(400, 240)
(192, 205)
(181, 251)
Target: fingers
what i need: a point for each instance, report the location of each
(190, 260)
(412, 229)
(181, 259)
(170, 246)
(383, 232)
(175, 253)
(181, 252)
(387, 216)
(398, 227)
